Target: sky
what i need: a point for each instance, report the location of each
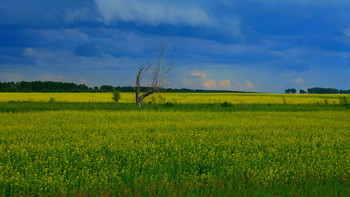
(251, 45)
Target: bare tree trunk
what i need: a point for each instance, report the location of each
(138, 100)
(159, 75)
(138, 85)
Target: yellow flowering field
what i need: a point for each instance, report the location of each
(178, 153)
(189, 98)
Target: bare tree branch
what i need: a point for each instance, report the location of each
(159, 75)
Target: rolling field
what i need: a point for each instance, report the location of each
(180, 98)
(105, 149)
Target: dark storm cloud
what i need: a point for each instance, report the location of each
(241, 40)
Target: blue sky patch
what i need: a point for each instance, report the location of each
(263, 46)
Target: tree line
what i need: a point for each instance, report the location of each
(46, 86)
(317, 90)
(51, 86)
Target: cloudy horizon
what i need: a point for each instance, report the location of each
(256, 46)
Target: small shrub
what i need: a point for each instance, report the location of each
(344, 101)
(52, 100)
(116, 96)
(168, 104)
(284, 100)
(153, 100)
(162, 99)
(326, 101)
(226, 104)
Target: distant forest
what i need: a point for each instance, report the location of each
(51, 86)
(318, 90)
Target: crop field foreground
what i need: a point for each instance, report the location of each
(86, 149)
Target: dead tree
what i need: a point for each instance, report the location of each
(158, 74)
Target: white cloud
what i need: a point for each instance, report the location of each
(209, 83)
(245, 86)
(298, 80)
(151, 12)
(225, 84)
(249, 84)
(198, 74)
(197, 79)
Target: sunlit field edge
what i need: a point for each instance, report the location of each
(185, 98)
